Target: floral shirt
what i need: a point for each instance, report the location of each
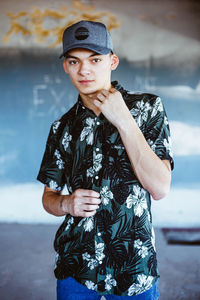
(112, 252)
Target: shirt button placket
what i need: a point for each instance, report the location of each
(96, 151)
(98, 237)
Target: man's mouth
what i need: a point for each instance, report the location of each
(85, 82)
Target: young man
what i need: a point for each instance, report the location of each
(112, 151)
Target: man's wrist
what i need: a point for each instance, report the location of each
(61, 203)
(127, 125)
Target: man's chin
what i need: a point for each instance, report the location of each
(89, 93)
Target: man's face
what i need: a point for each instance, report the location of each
(89, 72)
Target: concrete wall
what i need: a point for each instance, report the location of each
(158, 43)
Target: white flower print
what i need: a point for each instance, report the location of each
(137, 200)
(97, 158)
(91, 285)
(109, 282)
(140, 205)
(90, 172)
(55, 126)
(158, 107)
(106, 195)
(140, 112)
(69, 223)
(144, 283)
(88, 223)
(59, 162)
(99, 255)
(87, 131)
(99, 248)
(130, 201)
(57, 154)
(138, 243)
(54, 186)
(92, 262)
(143, 251)
(167, 144)
(151, 144)
(66, 139)
(86, 256)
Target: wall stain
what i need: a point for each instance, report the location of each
(47, 26)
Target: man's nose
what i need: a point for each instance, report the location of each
(84, 69)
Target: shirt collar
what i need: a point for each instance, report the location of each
(118, 87)
(81, 108)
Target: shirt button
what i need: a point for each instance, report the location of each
(96, 177)
(98, 123)
(99, 233)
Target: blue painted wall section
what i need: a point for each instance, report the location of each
(35, 91)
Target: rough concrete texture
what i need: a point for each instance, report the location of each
(27, 261)
(167, 30)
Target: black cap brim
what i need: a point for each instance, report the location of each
(94, 48)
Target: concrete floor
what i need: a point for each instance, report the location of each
(27, 261)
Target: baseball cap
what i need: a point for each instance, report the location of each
(89, 35)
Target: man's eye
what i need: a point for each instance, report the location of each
(73, 62)
(95, 60)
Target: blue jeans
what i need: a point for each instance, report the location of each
(70, 289)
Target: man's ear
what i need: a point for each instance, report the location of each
(114, 62)
(65, 66)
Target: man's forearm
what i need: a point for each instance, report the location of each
(53, 201)
(153, 173)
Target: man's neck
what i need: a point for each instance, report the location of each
(88, 101)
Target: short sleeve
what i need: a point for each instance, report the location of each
(157, 132)
(52, 167)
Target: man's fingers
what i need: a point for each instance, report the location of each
(100, 97)
(105, 93)
(112, 90)
(97, 103)
(87, 214)
(90, 201)
(88, 207)
(87, 193)
(83, 203)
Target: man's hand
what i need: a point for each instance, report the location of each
(112, 105)
(82, 203)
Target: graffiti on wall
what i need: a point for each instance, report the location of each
(47, 26)
(48, 98)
